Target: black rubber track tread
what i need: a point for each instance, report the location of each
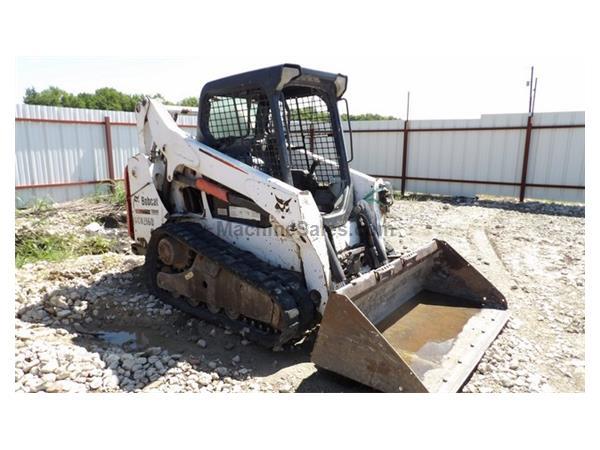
(285, 287)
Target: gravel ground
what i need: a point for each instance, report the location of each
(89, 325)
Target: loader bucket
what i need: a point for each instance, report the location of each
(417, 324)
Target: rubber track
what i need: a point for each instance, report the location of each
(285, 287)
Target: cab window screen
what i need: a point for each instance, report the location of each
(232, 117)
(241, 125)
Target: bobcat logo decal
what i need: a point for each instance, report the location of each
(282, 205)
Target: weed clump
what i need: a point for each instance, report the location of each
(32, 246)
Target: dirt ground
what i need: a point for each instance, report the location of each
(88, 323)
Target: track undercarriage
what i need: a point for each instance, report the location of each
(195, 271)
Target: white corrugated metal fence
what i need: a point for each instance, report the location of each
(67, 147)
(63, 151)
(449, 157)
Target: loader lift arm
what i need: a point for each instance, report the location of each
(157, 130)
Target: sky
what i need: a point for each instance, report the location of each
(458, 59)
(440, 87)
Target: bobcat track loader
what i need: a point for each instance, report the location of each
(258, 224)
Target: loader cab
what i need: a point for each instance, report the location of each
(283, 121)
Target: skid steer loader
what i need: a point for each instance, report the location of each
(258, 224)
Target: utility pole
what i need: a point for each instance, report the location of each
(532, 92)
(530, 84)
(405, 147)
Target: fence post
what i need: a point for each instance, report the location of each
(109, 152)
(526, 158)
(404, 157)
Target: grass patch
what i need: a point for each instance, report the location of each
(41, 205)
(94, 245)
(34, 246)
(116, 196)
(37, 207)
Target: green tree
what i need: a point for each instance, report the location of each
(368, 116)
(86, 100)
(72, 101)
(103, 98)
(52, 96)
(189, 101)
(111, 99)
(308, 114)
